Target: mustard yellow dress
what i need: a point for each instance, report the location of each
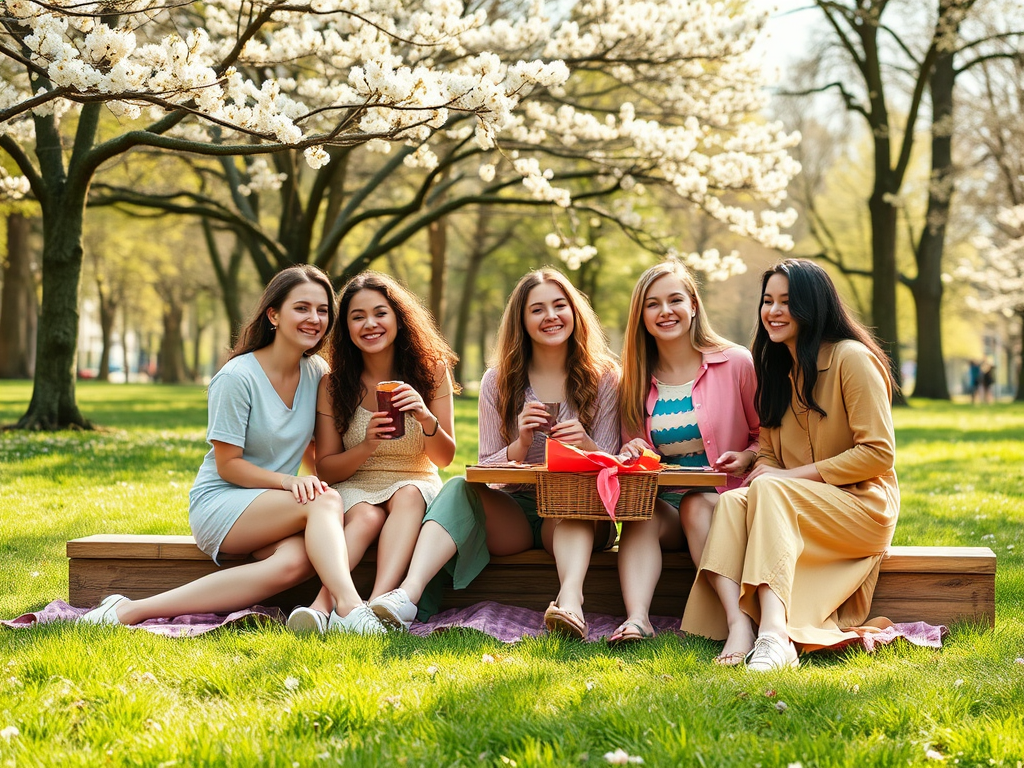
(818, 545)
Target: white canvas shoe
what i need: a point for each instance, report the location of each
(306, 621)
(771, 652)
(395, 609)
(360, 621)
(105, 612)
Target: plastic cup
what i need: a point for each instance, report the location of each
(385, 391)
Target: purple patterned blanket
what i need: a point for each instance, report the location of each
(506, 623)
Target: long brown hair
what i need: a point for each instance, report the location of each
(259, 331)
(587, 362)
(419, 347)
(640, 350)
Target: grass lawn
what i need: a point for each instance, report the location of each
(74, 695)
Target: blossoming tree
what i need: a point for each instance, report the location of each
(998, 275)
(543, 109)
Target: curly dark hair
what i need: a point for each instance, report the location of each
(419, 347)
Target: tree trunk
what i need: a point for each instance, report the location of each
(927, 286)
(884, 276)
(1019, 397)
(18, 303)
(53, 403)
(473, 262)
(227, 278)
(482, 338)
(108, 309)
(172, 346)
(438, 235)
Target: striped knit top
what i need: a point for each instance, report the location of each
(674, 430)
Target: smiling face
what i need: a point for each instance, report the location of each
(775, 316)
(372, 323)
(668, 309)
(548, 315)
(303, 317)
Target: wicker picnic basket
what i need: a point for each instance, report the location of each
(573, 496)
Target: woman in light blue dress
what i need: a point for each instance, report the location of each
(247, 498)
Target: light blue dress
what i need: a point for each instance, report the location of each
(246, 411)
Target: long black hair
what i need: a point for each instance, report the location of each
(821, 316)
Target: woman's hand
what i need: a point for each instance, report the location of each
(571, 432)
(635, 448)
(531, 418)
(408, 400)
(806, 472)
(304, 488)
(735, 463)
(379, 428)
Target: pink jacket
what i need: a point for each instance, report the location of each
(723, 397)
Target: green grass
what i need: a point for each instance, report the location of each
(110, 696)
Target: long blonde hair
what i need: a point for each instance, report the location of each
(640, 350)
(588, 359)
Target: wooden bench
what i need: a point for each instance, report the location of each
(938, 585)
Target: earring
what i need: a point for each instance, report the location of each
(273, 328)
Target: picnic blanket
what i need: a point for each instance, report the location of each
(504, 622)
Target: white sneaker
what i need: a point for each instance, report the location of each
(304, 621)
(395, 609)
(105, 612)
(771, 652)
(360, 621)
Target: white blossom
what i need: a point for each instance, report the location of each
(378, 72)
(316, 157)
(12, 187)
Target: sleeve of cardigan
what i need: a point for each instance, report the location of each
(766, 453)
(866, 394)
(748, 388)
(492, 448)
(606, 432)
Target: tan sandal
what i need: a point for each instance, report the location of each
(733, 659)
(566, 623)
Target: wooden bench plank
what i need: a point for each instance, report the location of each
(938, 585)
(939, 560)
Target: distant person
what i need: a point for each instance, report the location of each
(792, 558)
(687, 394)
(986, 384)
(973, 379)
(386, 482)
(247, 499)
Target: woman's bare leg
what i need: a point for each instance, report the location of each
(279, 566)
(322, 521)
(405, 510)
(572, 543)
(695, 511)
(507, 530)
(773, 612)
(362, 527)
(741, 629)
(363, 524)
(639, 561)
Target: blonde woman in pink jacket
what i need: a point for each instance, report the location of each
(688, 394)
